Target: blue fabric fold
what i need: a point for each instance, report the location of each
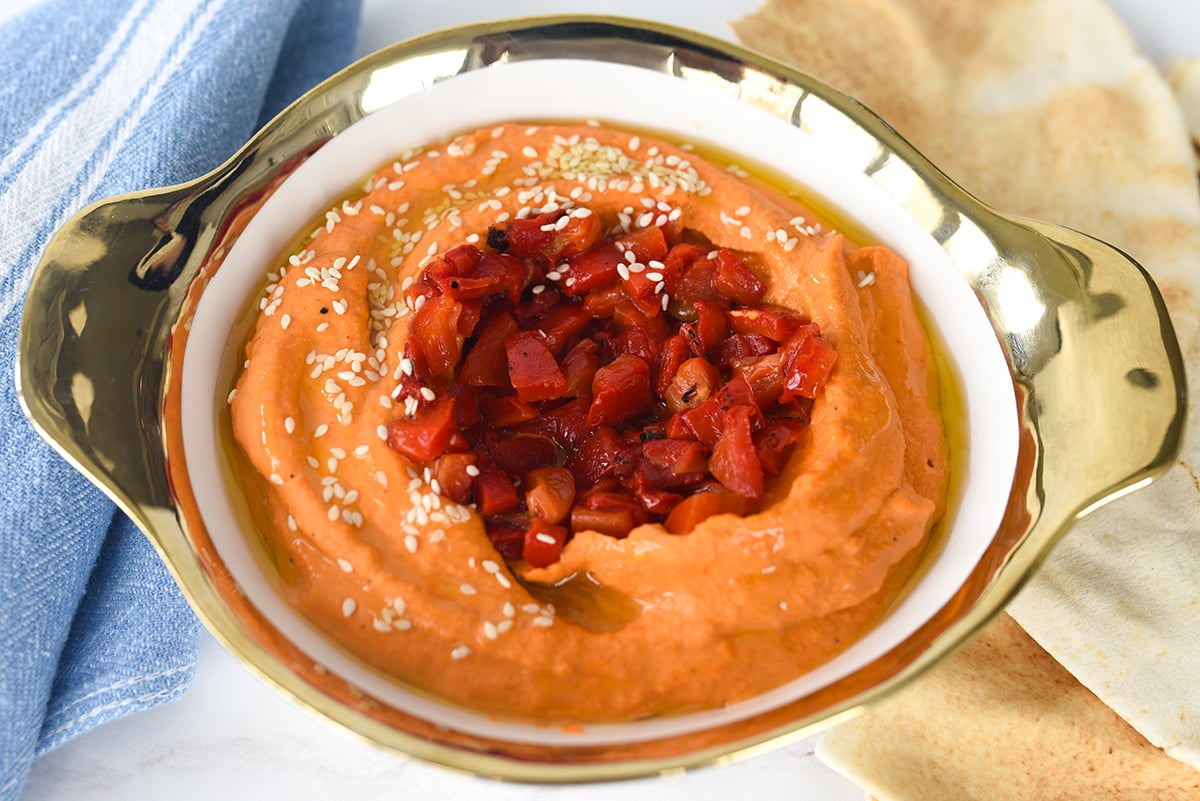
(101, 98)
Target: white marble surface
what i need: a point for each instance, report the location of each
(231, 736)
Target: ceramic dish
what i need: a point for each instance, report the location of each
(136, 298)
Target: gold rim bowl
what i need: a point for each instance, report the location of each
(123, 344)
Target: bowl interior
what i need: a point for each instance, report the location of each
(570, 89)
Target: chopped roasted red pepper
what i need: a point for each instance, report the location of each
(550, 493)
(548, 382)
(603, 302)
(565, 424)
(771, 322)
(554, 235)
(734, 460)
(454, 476)
(736, 281)
(692, 384)
(601, 455)
(611, 522)
(507, 536)
(809, 360)
(543, 543)
(706, 421)
(521, 453)
(435, 326)
(699, 507)
(679, 456)
(620, 391)
(532, 369)
(647, 244)
(708, 329)
(489, 274)
(562, 324)
(524, 237)
(425, 436)
(506, 410)
(485, 363)
(764, 374)
(740, 346)
(774, 443)
(495, 492)
(594, 269)
(579, 368)
(697, 282)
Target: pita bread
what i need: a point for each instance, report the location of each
(1045, 108)
(1041, 735)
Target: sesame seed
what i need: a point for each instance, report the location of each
(461, 652)
(411, 543)
(348, 607)
(334, 513)
(277, 479)
(345, 565)
(543, 622)
(467, 589)
(489, 630)
(471, 470)
(428, 394)
(545, 538)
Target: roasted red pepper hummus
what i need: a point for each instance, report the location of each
(570, 422)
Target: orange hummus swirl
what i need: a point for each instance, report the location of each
(406, 579)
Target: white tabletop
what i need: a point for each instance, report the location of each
(231, 736)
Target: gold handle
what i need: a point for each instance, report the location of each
(1104, 365)
(90, 379)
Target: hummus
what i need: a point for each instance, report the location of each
(371, 551)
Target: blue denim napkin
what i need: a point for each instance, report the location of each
(96, 99)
